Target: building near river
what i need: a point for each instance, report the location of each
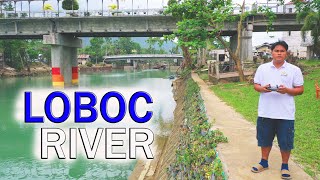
(83, 59)
(299, 47)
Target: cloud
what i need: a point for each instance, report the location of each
(259, 38)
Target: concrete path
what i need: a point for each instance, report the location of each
(241, 152)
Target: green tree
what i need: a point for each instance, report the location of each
(309, 11)
(70, 5)
(152, 49)
(125, 45)
(12, 52)
(96, 49)
(194, 21)
(202, 20)
(153, 40)
(174, 50)
(36, 47)
(136, 48)
(110, 47)
(162, 51)
(18, 53)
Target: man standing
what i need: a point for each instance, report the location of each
(277, 82)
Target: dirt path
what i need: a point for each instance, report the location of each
(241, 152)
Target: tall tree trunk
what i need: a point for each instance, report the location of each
(24, 59)
(236, 59)
(187, 57)
(199, 57)
(21, 60)
(235, 55)
(204, 56)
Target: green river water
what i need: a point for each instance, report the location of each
(17, 156)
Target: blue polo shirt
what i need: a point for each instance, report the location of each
(273, 104)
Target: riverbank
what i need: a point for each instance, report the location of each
(189, 151)
(166, 148)
(34, 71)
(41, 69)
(94, 69)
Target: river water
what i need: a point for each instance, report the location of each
(18, 158)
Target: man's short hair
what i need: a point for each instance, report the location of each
(281, 43)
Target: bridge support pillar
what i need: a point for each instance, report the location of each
(135, 64)
(309, 52)
(63, 58)
(233, 44)
(245, 53)
(246, 44)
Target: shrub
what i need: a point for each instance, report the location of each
(89, 64)
(67, 5)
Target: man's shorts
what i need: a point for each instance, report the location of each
(267, 128)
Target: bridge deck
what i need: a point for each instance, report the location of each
(124, 26)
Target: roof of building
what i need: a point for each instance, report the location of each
(83, 56)
(264, 45)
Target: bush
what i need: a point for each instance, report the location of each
(67, 5)
(89, 64)
(23, 15)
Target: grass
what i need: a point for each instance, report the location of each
(203, 74)
(244, 99)
(311, 62)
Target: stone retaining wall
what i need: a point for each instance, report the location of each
(166, 152)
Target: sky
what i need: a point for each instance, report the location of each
(258, 37)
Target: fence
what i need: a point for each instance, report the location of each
(275, 7)
(77, 13)
(215, 68)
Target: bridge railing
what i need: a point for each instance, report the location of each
(77, 13)
(275, 7)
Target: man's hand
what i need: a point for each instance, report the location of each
(298, 90)
(262, 89)
(282, 89)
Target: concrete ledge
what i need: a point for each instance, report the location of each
(229, 77)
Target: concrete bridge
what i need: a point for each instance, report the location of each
(124, 26)
(143, 57)
(134, 59)
(62, 33)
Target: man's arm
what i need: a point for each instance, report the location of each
(297, 90)
(261, 89)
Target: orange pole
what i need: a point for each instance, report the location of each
(75, 76)
(317, 91)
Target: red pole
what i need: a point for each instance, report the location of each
(317, 91)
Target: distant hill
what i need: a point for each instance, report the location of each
(167, 46)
